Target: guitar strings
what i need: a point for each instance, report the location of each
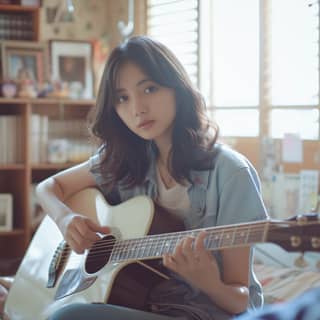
(122, 247)
(109, 257)
(236, 232)
(168, 236)
(109, 253)
(119, 244)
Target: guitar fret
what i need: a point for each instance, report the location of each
(137, 246)
(157, 245)
(226, 239)
(248, 234)
(234, 234)
(167, 246)
(172, 245)
(215, 241)
(173, 241)
(149, 248)
(178, 240)
(117, 252)
(152, 247)
(137, 249)
(130, 252)
(123, 254)
(162, 246)
(143, 248)
(221, 239)
(242, 236)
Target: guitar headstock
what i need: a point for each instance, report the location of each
(300, 233)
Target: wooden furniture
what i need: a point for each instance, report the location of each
(19, 22)
(18, 176)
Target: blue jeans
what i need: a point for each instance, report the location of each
(83, 311)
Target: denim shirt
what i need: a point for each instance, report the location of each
(227, 194)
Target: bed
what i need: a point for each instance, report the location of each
(285, 275)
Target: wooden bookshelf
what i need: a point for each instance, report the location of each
(20, 22)
(19, 177)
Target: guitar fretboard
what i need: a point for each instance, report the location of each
(156, 246)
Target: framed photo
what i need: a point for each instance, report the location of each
(5, 211)
(24, 61)
(71, 63)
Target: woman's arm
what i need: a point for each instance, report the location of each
(232, 291)
(199, 267)
(79, 231)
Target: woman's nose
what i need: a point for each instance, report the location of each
(139, 107)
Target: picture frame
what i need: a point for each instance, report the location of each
(24, 60)
(72, 63)
(6, 211)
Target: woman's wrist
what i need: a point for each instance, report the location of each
(63, 219)
(213, 290)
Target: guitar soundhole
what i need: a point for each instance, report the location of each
(99, 254)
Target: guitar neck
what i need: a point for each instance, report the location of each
(156, 246)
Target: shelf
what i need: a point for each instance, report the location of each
(20, 178)
(48, 101)
(12, 233)
(18, 8)
(12, 167)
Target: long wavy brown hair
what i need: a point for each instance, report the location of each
(126, 156)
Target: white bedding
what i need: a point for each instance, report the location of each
(280, 283)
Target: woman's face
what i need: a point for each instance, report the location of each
(146, 108)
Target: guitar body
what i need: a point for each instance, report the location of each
(125, 283)
(122, 267)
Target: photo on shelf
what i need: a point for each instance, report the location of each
(71, 64)
(24, 62)
(5, 211)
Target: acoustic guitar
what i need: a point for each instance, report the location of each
(121, 267)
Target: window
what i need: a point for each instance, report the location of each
(294, 57)
(175, 24)
(257, 60)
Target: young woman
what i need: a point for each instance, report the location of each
(157, 141)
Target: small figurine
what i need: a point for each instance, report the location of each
(9, 89)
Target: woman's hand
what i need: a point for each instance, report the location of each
(80, 232)
(194, 263)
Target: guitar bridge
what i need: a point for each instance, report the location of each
(57, 263)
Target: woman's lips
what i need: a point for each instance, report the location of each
(146, 124)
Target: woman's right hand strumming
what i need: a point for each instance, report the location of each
(80, 232)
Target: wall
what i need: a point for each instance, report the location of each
(90, 21)
(94, 20)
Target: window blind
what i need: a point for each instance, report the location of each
(175, 24)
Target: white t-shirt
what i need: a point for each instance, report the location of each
(175, 200)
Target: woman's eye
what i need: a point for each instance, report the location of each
(122, 99)
(150, 89)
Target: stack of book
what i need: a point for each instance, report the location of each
(10, 139)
